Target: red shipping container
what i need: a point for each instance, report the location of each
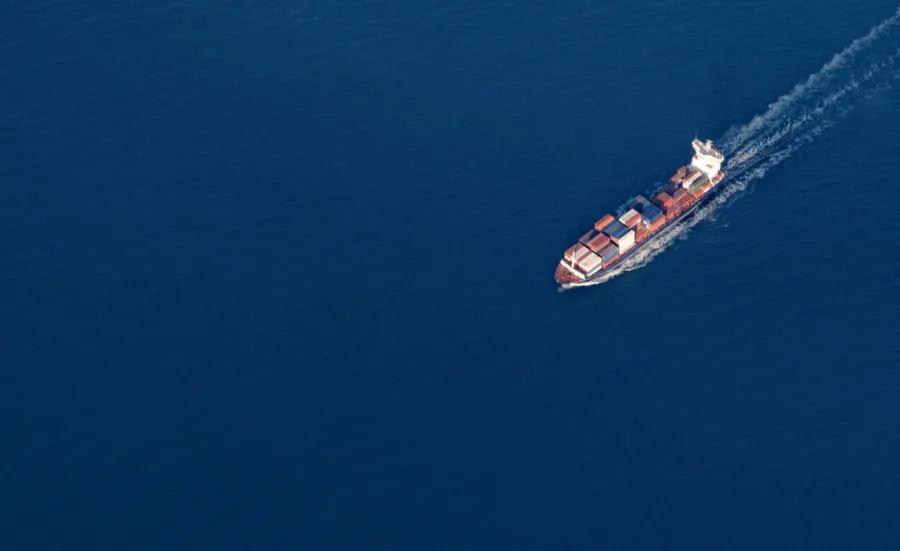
(641, 233)
(603, 222)
(663, 200)
(629, 222)
(659, 223)
(587, 237)
(701, 191)
(598, 242)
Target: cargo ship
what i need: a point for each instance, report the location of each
(613, 239)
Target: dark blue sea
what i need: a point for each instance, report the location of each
(278, 276)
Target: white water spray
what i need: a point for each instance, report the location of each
(737, 137)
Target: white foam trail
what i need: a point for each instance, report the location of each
(735, 138)
(746, 157)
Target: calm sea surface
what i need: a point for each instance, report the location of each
(278, 275)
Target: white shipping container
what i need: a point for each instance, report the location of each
(593, 271)
(692, 177)
(580, 251)
(589, 263)
(626, 242)
(628, 216)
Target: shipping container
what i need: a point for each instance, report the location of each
(662, 200)
(682, 201)
(691, 178)
(639, 203)
(603, 222)
(630, 218)
(657, 224)
(598, 242)
(698, 183)
(594, 270)
(701, 191)
(578, 250)
(587, 237)
(589, 263)
(625, 242)
(652, 212)
(679, 175)
(609, 254)
(615, 230)
(640, 232)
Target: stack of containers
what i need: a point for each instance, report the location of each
(576, 252)
(609, 254)
(630, 218)
(694, 188)
(620, 235)
(603, 222)
(691, 178)
(639, 203)
(615, 230)
(640, 232)
(679, 175)
(625, 242)
(598, 242)
(686, 199)
(650, 212)
(663, 200)
(703, 189)
(655, 221)
(653, 216)
(645, 207)
(590, 264)
(584, 239)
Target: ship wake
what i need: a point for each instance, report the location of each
(868, 66)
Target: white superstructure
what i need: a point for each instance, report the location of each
(707, 158)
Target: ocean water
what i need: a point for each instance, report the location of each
(279, 276)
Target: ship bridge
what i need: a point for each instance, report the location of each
(707, 158)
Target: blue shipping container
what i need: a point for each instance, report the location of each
(615, 229)
(609, 252)
(652, 213)
(640, 203)
(587, 237)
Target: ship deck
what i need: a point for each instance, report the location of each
(687, 214)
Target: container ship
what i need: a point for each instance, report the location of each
(614, 239)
